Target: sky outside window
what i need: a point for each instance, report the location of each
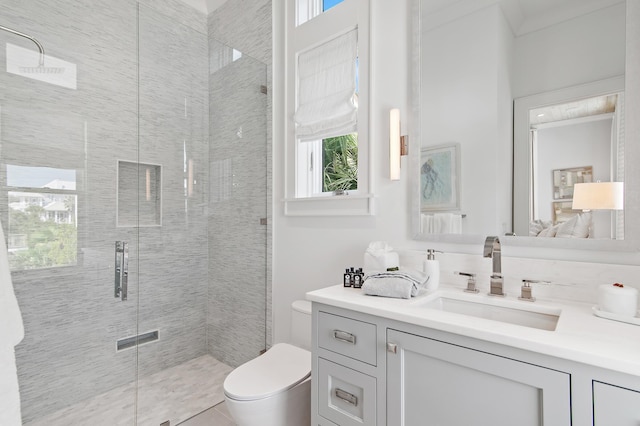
(328, 4)
(37, 177)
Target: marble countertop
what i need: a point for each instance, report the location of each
(579, 336)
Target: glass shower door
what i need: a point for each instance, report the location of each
(68, 124)
(172, 220)
(203, 130)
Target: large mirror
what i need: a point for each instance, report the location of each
(472, 60)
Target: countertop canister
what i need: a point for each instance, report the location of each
(618, 299)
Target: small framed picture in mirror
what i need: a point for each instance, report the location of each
(564, 179)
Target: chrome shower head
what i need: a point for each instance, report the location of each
(40, 69)
(27, 36)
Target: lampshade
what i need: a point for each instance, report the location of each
(598, 196)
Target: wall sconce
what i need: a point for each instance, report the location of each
(398, 145)
(598, 196)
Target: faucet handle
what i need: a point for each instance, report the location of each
(471, 282)
(526, 281)
(525, 290)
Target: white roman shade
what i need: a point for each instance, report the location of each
(326, 87)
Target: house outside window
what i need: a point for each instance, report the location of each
(42, 225)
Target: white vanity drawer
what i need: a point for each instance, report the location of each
(345, 396)
(346, 336)
(324, 422)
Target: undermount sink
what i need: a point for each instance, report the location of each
(506, 311)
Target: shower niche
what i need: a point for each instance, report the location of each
(139, 194)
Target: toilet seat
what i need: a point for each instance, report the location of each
(277, 370)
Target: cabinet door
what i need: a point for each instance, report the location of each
(436, 383)
(613, 405)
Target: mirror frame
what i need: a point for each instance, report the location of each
(610, 251)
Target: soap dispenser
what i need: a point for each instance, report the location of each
(431, 267)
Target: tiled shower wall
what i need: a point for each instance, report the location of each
(72, 320)
(238, 327)
(174, 123)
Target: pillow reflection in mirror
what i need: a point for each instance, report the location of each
(576, 227)
(549, 232)
(536, 226)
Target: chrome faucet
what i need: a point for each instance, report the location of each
(492, 250)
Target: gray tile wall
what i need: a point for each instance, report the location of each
(173, 131)
(239, 306)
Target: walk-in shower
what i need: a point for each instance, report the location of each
(141, 132)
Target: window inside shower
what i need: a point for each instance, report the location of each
(42, 211)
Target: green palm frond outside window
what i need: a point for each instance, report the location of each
(340, 163)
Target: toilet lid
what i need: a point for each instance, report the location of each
(280, 368)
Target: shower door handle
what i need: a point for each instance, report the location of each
(122, 270)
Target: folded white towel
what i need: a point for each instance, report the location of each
(11, 333)
(402, 284)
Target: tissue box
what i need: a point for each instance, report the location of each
(380, 262)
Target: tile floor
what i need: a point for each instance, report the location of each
(175, 394)
(214, 416)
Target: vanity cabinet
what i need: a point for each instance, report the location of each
(614, 405)
(433, 382)
(374, 371)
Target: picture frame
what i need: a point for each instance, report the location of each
(564, 180)
(440, 178)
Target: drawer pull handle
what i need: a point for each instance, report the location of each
(392, 347)
(347, 397)
(343, 336)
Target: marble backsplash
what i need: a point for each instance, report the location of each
(571, 281)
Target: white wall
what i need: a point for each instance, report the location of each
(581, 50)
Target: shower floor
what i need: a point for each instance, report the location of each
(175, 394)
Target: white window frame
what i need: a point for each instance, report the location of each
(327, 25)
(308, 180)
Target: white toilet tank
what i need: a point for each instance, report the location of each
(301, 324)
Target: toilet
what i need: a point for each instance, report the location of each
(274, 389)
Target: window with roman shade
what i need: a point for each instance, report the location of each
(326, 87)
(326, 109)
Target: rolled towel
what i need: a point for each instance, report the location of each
(402, 284)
